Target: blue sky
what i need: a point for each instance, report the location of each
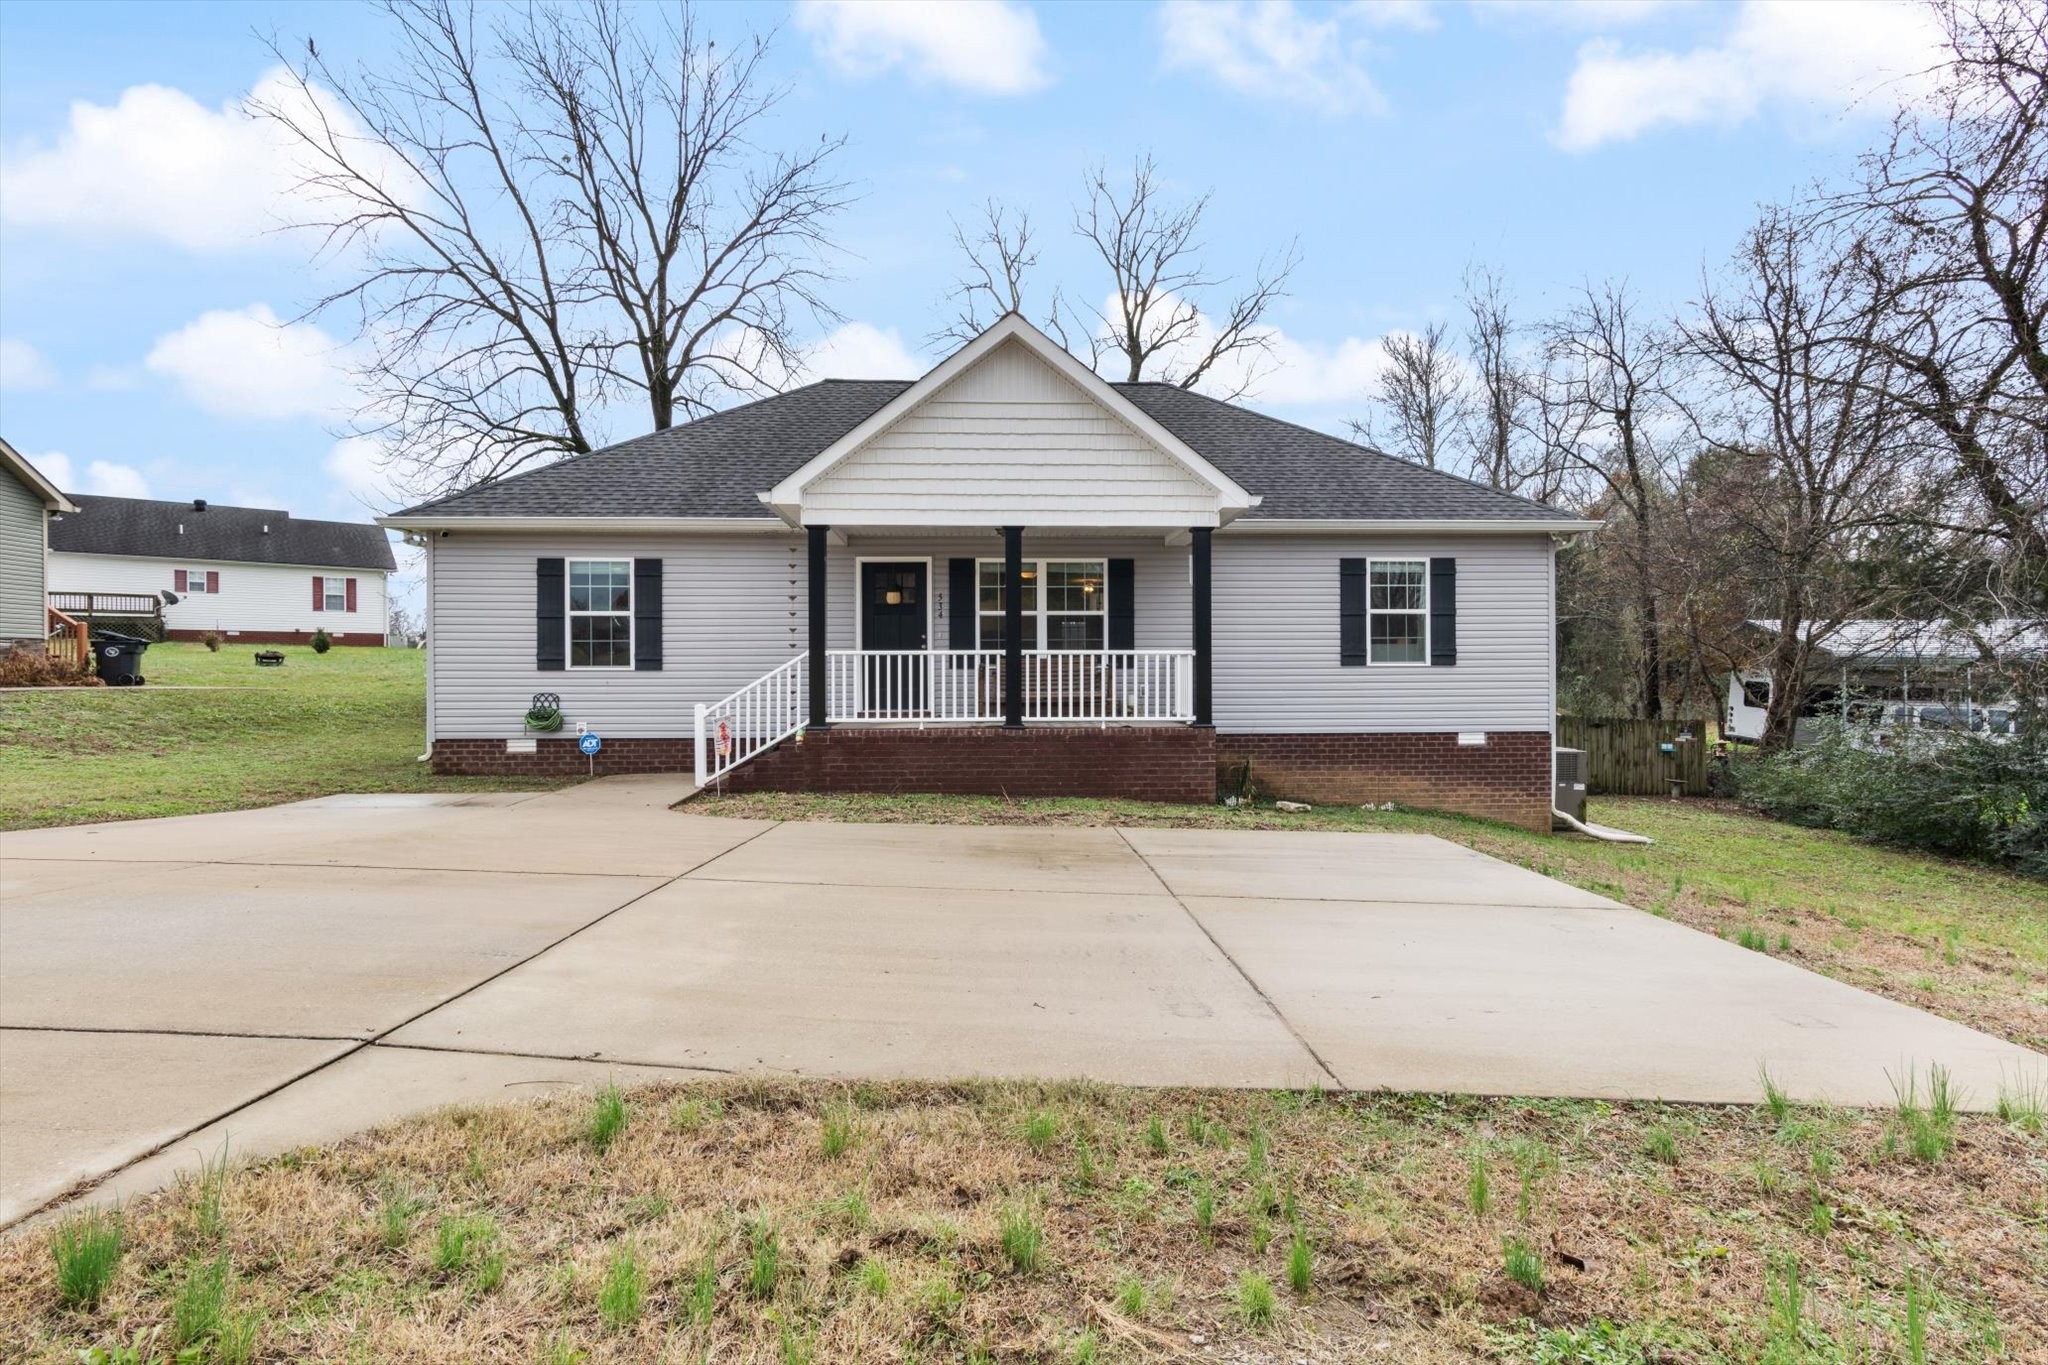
(1398, 141)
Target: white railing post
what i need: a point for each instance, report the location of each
(703, 771)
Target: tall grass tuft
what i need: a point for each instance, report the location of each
(1023, 1240)
(1300, 1265)
(1916, 1321)
(765, 1267)
(397, 1207)
(702, 1302)
(87, 1248)
(209, 1196)
(1662, 1145)
(2023, 1105)
(200, 1302)
(1478, 1190)
(607, 1118)
(620, 1293)
(1775, 1100)
(1155, 1136)
(1040, 1129)
(1523, 1264)
(1205, 1208)
(1929, 1129)
(1130, 1296)
(1256, 1302)
(873, 1277)
(835, 1132)
(460, 1242)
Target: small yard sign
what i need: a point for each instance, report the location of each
(724, 739)
(590, 744)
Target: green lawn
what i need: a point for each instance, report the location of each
(350, 720)
(1965, 941)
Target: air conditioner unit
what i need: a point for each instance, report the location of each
(1570, 796)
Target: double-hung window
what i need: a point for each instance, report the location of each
(1065, 604)
(195, 581)
(334, 592)
(1397, 611)
(600, 613)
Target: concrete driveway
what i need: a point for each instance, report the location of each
(283, 976)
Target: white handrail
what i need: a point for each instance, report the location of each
(965, 686)
(750, 721)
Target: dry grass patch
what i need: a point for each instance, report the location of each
(1338, 1228)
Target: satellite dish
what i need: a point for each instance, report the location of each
(170, 598)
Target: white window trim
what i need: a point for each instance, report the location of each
(193, 576)
(1371, 611)
(328, 583)
(570, 613)
(1041, 612)
(860, 620)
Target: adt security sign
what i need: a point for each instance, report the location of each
(590, 744)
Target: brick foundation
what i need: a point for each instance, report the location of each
(278, 637)
(1507, 779)
(1174, 763)
(560, 757)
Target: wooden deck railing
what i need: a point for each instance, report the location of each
(66, 640)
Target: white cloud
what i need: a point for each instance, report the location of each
(1779, 53)
(356, 464)
(1579, 14)
(159, 164)
(246, 363)
(991, 47)
(1416, 14)
(862, 351)
(1271, 50)
(1289, 372)
(100, 476)
(22, 366)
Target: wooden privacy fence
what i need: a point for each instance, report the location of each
(1625, 757)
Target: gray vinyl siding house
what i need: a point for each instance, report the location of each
(27, 499)
(813, 592)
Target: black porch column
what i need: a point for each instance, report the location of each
(1013, 626)
(1204, 702)
(816, 536)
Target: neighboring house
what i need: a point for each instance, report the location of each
(253, 574)
(1009, 576)
(27, 501)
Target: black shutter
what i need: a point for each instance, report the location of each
(549, 618)
(1443, 611)
(960, 603)
(647, 615)
(1352, 634)
(1123, 604)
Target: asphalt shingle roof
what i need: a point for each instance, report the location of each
(715, 466)
(252, 535)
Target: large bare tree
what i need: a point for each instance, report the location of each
(1167, 316)
(1952, 214)
(537, 212)
(1419, 397)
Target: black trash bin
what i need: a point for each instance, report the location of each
(119, 657)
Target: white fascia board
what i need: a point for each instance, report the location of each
(743, 525)
(180, 561)
(1011, 327)
(35, 480)
(1030, 521)
(1312, 526)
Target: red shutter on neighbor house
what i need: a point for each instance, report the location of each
(351, 594)
(318, 585)
(178, 581)
(212, 580)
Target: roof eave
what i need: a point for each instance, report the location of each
(403, 522)
(1528, 526)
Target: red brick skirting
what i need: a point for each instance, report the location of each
(279, 637)
(1508, 778)
(1143, 763)
(561, 758)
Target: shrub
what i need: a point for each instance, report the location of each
(1951, 792)
(33, 668)
(212, 639)
(322, 641)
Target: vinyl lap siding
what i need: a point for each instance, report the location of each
(1276, 628)
(1008, 439)
(1161, 593)
(732, 608)
(22, 528)
(252, 597)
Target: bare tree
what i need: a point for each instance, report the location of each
(1155, 324)
(1814, 458)
(1419, 397)
(1498, 415)
(545, 210)
(1952, 213)
(999, 256)
(1600, 398)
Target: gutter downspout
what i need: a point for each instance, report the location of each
(426, 542)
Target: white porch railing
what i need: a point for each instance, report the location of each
(965, 686)
(759, 716)
(945, 687)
